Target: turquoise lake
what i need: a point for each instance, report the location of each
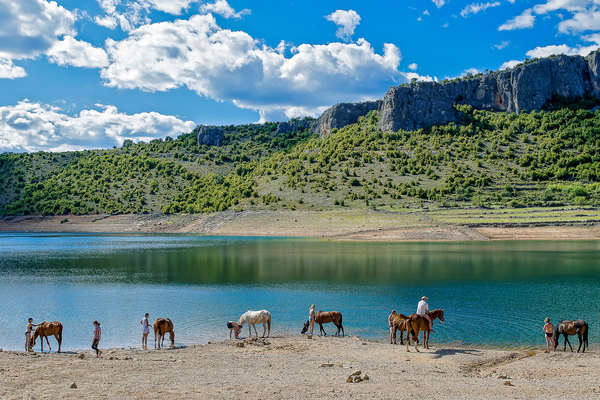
(493, 293)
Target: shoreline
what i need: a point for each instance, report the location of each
(331, 225)
(296, 367)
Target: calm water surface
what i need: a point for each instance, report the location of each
(493, 292)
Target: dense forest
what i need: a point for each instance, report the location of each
(488, 159)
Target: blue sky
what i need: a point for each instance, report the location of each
(92, 73)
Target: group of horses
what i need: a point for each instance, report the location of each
(412, 324)
(162, 326)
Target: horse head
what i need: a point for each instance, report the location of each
(305, 328)
(439, 313)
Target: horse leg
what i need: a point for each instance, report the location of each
(58, 340)
(579, 337)
(255, 331)
(264, 328)
(48, 342)
(567, 341)
(417, 341)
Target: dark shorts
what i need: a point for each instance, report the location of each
(549, 334)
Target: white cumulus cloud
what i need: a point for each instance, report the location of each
(30, 27)
(413, 66)
(439, 3)
(227, 65)
(523, 21)
(346, 20)
(70, 51)
(223, 8)
(509, 64)
(8, 70)
(30, 126)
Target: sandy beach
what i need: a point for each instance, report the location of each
(333, 225)
(300, 368)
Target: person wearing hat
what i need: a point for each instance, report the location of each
(423, 309)
(548, 328)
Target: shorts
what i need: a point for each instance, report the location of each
(549, 334)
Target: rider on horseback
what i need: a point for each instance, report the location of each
(423, 309)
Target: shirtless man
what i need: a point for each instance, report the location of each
(423, 309)
(548, 328)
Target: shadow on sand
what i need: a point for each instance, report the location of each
(451, 352)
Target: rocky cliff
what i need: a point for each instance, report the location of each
(210, 135)
(343, 114)
(526, 87)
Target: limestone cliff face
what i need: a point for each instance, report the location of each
(343, 114)
(524, 88)
(210, 135)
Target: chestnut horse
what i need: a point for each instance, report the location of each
(46, 329)
(325, 317)
(416, 323)
(162, 326)
(578, 327)
(399, 324)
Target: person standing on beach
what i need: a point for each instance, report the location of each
(97, 336)
(145, 331)
(311, 318)
(423, 309)
(391, 322)
(548, 329)
(30, 326)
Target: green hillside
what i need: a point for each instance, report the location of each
(489, 159)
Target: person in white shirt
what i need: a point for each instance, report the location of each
(423, 309)
(145, 331)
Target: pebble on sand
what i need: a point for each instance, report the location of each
(73, 385)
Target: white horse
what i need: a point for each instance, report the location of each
(256, 317)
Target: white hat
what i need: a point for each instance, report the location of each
(424, 298)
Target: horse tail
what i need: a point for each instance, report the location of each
(60, 331)
(269, 322)
(585, 335)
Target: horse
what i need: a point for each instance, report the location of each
(325, 317)
(46, 329)
(162, 326)
(399, 324)
(256, 317)
(578, 327)
(416, 323)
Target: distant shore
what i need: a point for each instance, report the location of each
(298, 368)
(333, 225)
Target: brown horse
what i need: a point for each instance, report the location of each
(578, 327)
(398, 324)
(162, 326)
(46, 329)
(416, 323)
(325, 317)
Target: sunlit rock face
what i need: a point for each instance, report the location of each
(524, 88)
